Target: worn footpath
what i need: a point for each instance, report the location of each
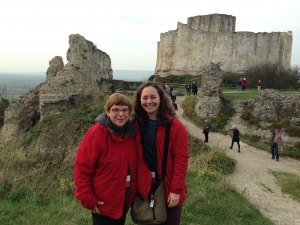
(253, 177)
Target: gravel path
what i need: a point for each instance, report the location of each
(252, 175)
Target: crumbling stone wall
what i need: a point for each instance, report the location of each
(212, 38)
(79, 78)
(209, 104)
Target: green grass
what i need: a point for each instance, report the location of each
(290, 184)
(232, 95)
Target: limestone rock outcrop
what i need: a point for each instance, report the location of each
(210, 103)
(79, 78)
(55, 65)
(212, 38)
(272, 105)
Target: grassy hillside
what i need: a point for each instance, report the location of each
(36, 177)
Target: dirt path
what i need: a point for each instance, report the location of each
(252, 175)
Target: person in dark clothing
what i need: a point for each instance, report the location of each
(206, 129)
(171, 89)
(188, 90)
(194, 88)
(175, 105)
(235, 138)
(112, 88)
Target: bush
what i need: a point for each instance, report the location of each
(220, 162)
(271, 76)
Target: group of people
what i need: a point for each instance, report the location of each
(120, 157)
(275, 141)
(193, 88)
(241, 85)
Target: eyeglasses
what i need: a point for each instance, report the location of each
(117, 111)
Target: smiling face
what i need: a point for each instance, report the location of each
(150, 101)
(119, 115)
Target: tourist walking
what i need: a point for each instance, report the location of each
(259, 85)
(235, 138)
(173, 95)
(153, 113)
(275, 141)
(238, 86)
(244, 83)
(188, 89)
(171, 89)
(194, 88)
(112, 88)
(206, 129)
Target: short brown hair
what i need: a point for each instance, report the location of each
(117, 99)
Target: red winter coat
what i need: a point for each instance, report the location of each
(244, 83)
(177, 161)
(101, 166)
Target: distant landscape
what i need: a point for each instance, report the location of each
(16, 84)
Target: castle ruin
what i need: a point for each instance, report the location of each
(79, 78)
(190, 48)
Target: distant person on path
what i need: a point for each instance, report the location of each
(106, 164)
(173, 95)
(275, 141)
(235, 138)
(244, 83)
(171, 89)
(206, 129)
(259, 86)
(194, 88)
(238, 86)
(112, 88)
(167, 89)
(188, 89)
(298, 85)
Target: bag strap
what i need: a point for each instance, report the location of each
(167, 139)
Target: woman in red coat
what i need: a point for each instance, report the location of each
(244, 83)
(106, 164)
(152, 112)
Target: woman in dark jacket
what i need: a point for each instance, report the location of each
(235, 138)
(152, 113)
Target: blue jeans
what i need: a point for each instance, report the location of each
(274, 151)
(238, 88)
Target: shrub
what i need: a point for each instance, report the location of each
(220, 162)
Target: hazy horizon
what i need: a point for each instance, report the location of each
(126, 75)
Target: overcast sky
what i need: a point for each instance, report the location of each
(32, 32)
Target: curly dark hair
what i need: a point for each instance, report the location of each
(164, 106)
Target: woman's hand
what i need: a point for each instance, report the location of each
(173, 200)
(96, 210)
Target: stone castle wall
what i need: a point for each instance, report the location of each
(212, 39)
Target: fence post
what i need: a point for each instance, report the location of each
(220, 92)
